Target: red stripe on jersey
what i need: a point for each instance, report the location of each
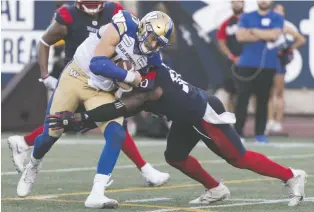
(118, 8)
(151, 75)
(65, 14)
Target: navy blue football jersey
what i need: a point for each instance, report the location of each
(80, 24)
(180, 100)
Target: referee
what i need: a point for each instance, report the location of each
(260, 32)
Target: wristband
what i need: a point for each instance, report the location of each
(232, 57)
(130, 77)
(41, 79)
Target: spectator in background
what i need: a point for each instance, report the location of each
(285, 54)
(258, 31)
(231, 48)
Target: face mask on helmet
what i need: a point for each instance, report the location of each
(151, 40)
(90, 7)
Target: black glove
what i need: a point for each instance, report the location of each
(66, 120)
(285, 55)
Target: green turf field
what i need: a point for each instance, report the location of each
(68, 170)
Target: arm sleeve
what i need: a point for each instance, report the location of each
(221, 32)
(63, 16)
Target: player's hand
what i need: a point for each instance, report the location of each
(138, 79)
(50, 82)
(65, 120)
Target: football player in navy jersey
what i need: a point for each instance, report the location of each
(91, 78)
(73, 23)
(196, 116)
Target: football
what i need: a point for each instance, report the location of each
(126, 65)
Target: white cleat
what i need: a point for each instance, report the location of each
(154, 177)
(28, 177)
(220, 193)
(96, 198)
(99, 201)
(296, 187)
(19, 150)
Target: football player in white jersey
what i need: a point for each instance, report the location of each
(90, 79)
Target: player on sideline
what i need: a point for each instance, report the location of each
(73, 25)
(89, 79)
(196, 116)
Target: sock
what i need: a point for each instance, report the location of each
(192, 168)
(115, 136)
(260, 164)
(30, 138)
(130, 149)
(42, 145)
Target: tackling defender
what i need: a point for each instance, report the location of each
(196, 116)
(73, 23)
(89, 78)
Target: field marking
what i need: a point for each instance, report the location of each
(140, 189)
(148, 200)
(248, 202)
(217, 161)
(133, 205)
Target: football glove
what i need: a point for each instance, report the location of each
(66, 120)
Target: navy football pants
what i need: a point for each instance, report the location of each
(222, 139)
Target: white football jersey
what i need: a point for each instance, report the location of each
(126, 25)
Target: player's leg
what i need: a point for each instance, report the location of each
(151, 175)
(181, 140)
(114, 134)
(227, 144)
(63, 98)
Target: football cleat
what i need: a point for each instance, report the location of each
(28, 177)
(19, 150)
(154, 177)
(219, 193)
(96, 198)
(98, 201)
(295, 187)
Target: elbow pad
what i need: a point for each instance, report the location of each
(106, 68)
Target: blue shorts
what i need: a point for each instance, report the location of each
(281, 69)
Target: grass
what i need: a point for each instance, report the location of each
(68, 170)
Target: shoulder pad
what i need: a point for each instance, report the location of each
(125, 23)
(63, 15)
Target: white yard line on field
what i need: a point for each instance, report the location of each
(218, 161)
(244, 203)
(148, 200)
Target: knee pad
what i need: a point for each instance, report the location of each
(114, 134)
(216, 104)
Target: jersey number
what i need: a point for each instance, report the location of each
(177, 79)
